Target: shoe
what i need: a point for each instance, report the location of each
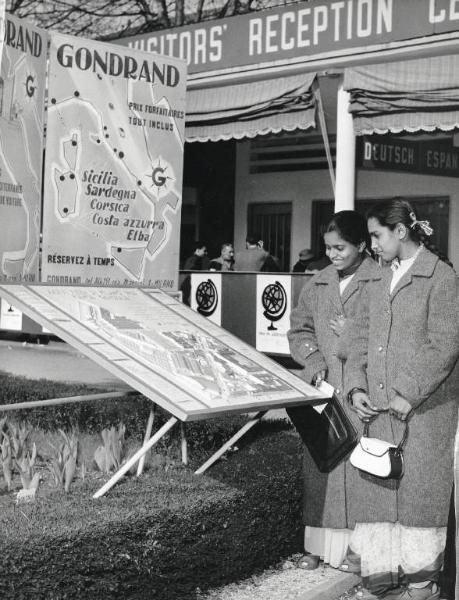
(309, 562)
(361, 593)
(349, 568)
(430, 592)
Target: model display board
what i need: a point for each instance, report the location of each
(191, 367)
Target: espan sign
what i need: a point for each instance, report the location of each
(305, 30)
(424, 157)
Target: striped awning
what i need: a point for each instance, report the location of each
(413, 95)
(249, 109)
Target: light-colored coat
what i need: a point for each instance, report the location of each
(315, 346)
(408, 342)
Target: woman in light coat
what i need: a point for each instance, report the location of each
(403, 359)
(320, 326)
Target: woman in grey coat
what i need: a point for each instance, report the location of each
(320, 326)
(403, 360)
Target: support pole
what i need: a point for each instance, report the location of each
(151, 418)
(68, 400)
(345, 154)
(132, 461)
(231, 441)
(184, 443)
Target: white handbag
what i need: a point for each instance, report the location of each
(377, 457)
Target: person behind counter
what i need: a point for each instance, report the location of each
(198, 261)
(254, 257)
(225, 262)
(305, 257)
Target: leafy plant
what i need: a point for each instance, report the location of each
(7, 458)
(64, 461)
(23, 456)
(111, 454)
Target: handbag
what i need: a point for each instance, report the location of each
(328, 434)
(378, 457)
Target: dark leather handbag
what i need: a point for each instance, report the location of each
(328, 435)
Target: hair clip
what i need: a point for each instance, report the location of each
(424, 225)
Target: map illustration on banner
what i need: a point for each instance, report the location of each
(178, 358)
(114, 162)
(22, 92)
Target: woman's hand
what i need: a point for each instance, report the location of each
(319, 377)
(399, 407)
(362, 406)
(338, 324)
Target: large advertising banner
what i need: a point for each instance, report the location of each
(22, 92)
(274, 300)
(160, 347)
(2, 26)
(114, 161)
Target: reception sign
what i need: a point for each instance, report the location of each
(304, 31)
(179, 359)
(114, 160)
(274, 299)
(23, 69)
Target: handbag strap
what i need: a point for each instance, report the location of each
(366, 431)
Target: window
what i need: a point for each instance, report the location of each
(273, 222)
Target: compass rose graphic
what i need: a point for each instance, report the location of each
(161, 174)
(274, 301)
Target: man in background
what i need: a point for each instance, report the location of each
(254, 257)
(198, 261)
(305, 258)
(225, 262)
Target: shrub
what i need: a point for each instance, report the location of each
(162, 535)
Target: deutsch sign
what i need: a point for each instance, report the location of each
(425, 157)
(303, 30)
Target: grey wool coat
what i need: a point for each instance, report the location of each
(314, 345)
(407, 342)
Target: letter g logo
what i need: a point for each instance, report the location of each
(30, 88)
(158, 177)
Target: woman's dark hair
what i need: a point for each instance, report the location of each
(398, 210)
(351, 226)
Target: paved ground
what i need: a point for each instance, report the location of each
(60, 362)
(57, 361)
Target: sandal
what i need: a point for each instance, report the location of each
(348, 567)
